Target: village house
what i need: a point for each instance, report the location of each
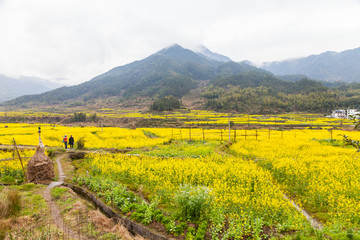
(342, 113)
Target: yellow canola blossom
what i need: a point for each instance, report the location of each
(244, 189)
(95, 137)
(322, 175)
(15, 164)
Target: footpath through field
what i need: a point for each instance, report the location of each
(54, 211)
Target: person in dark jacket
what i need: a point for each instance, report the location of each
(71, 141)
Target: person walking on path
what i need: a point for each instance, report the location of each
(65, 139)
(71, 141)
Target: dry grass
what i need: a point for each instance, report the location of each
(11, 205)
(14, 202)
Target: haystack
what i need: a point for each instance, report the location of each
(40, 168)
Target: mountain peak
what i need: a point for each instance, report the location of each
(201, 49)
(182, 55)
(172, 47)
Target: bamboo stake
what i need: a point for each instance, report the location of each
(22, 166)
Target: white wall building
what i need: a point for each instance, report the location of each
(351, 112)
(342, 113)
(339, 113)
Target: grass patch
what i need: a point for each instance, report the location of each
(330, 142)
(26, 187)
(57, 193)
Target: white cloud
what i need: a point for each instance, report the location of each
(77, 40)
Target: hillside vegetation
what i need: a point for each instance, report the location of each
(217, 85)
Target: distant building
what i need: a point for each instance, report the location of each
(342, 113)
(351, 112)
(339, 113)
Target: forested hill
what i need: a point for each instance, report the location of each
(260, 92)
(171, 71)
(327, 66)
(218, 85)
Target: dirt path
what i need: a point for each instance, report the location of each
(314, 223)
(54, 211)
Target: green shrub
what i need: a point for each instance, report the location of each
(190, 234)
(79, 117)
(166, 104)
(81, 143)
(137, 216)
(200, 233)
(193, 201)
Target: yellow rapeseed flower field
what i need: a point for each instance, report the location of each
(323, 175)
(242, 188)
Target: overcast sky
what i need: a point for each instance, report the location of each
(72, 41)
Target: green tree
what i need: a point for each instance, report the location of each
(167, 103)
(79, 117)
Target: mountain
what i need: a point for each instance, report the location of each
(327, 66)
(203, 81)
(11, 88)
(171, 71)
(202, 50)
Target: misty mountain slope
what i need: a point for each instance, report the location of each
(11, 88)
(171, 71)
(202, 50)
(328, 66)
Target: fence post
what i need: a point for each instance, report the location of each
(190, 134)
(17, 151)
(256, 135)
(221, 134)
(245, 133)
(203, 134)
(269, 133)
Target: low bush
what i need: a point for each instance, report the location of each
(193, 201)
(81, 143)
